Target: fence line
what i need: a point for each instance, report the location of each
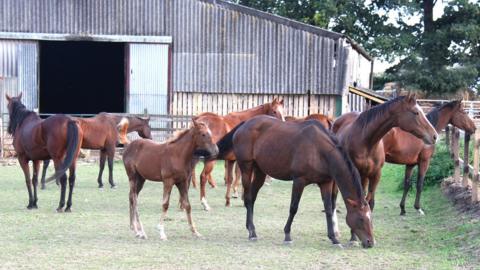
(470, 177)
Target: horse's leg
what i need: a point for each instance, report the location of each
(103, 157)
(193, 176)
(372, 187)
(327, 191)
(207, 169)
(71, 185)
(167, 189)
(236, 181)
(36, 169)
(257, 183)
(44, 172)
(182, 186)
(63, 185)
(336, 231)
(422, 170)
(406, 187)
(297, 190)
(247, 171)
(136, 186)
(229, 176)
(28, 181)
(110, 156)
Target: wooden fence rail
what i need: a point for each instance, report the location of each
(470, 177)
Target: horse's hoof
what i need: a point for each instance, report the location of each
(68, 210)
(43, 187)
(141, 235)
(197, 235)
(420, 212)
(59, 210)
(252, 239)
(100, 186)
(403, 213)
(227, 204)
(235, 195)
(30, 207)
(338, 246)
(287, 242)
(163, 237)
(113, 186)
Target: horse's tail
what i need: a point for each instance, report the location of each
(73, 142)
(122, 129)
(225, 144)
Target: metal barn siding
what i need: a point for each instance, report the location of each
(218, 47)
(148, 78)
(19, 71)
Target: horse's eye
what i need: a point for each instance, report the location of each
(416, 113)
(204, 135)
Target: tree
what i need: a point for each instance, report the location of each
(436, 56)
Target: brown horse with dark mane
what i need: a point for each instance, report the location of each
(221, 125)
(100, 133)
(307, 153)
(326, 121)
(58, 137)
(361, 136)
(170, 163)
(403, 148)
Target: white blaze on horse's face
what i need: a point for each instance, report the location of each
(424, 116)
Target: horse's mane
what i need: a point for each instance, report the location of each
(18, 114)
(177, 136)
(434, 114)
(346, 157)
(372, 114)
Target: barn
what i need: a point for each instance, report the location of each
(172, 57)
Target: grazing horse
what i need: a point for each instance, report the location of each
(361, 136)
(58, 137)
(100, 133)
(170, 163)
(307, 153)
(326, 121)
(403, 148)
(221, 125)
(127, 124)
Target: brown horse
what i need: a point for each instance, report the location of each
(221, 125)
(307, 153)
(361, 135)
(58, 137)
(127, 124)
(403, 148)
(170, 163)
(326, 121)
(100, 133)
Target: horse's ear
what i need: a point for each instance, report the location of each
(281, 102)
(412, 97)
(147, 119)
(194, 120)
(20, 96)
(353, 203)
(8, 97)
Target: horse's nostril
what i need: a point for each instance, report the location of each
(434, 137)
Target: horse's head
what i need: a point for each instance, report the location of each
(276, 109)
(461, 119)
(411, 118)
(12, 100)
(145, 131)
(202, 136)
(359, 219)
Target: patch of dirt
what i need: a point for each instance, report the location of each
(461, 197)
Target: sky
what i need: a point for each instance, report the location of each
(380, 66)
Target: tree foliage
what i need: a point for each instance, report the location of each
(436, 56)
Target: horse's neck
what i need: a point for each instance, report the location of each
(247, 114)
(375, 129)
(133, 125)
(183, 148)
(344, 177)
(444, 117)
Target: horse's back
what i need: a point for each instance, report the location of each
(401, 147)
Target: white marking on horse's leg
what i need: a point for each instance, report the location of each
(420, 211)
(161, 230)
(205, 205)
(336, 231)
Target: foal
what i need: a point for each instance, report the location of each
(170, 163)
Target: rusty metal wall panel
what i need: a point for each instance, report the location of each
(19, 71)
(148, 77)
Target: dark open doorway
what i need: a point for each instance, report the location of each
(82, 77)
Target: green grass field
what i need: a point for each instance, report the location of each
(97, 235)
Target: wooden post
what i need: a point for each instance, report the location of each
(455, 150)
(475, 180)
(466, 168)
